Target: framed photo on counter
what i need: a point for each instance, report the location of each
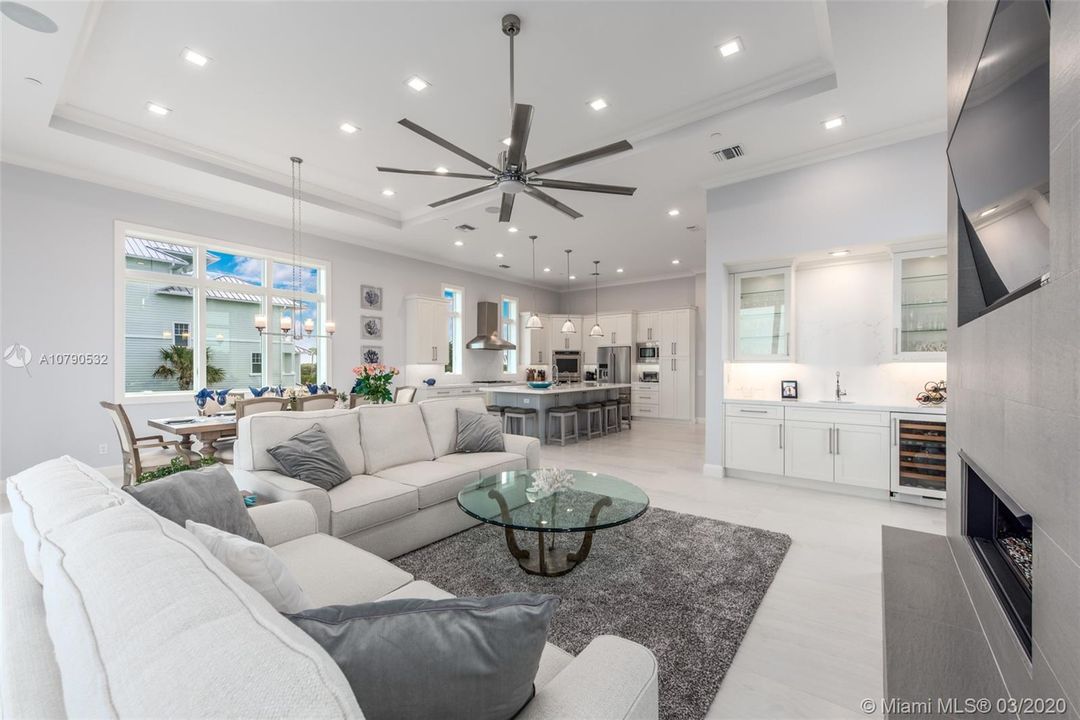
(789, 389)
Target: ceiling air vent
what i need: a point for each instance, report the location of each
(728, 153)
(504, 266)
(465, 227)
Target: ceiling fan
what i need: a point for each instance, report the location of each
(511, 174)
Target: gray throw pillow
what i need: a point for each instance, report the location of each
(478, 432)
(208, 496)
(468, 658)
(311, 457)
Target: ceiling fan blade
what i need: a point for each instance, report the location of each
(507, 207)
(461, 196)
(617, 147)
(586, 187)
(520, 125)
(468, 176)
(448, 145)
(545, 198)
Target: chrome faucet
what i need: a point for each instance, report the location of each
(555, 373)
(839, 393)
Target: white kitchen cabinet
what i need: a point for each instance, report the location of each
(566, 341)
(754, 444)
(920, 305)
(675, 333)
(535, 345)
(676, 395)
(618, 329)
(648, 327)
(862, 455)
(761, 315)
(808, 450)
(427, 330)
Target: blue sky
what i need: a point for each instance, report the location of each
(250, 270)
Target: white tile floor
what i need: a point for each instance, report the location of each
(814, 648)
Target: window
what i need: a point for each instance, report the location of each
(187, 318)
(453, 357)
(509, 310)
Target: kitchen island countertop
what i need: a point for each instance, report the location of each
(558, 389)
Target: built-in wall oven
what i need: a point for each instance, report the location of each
(648, 353)
(568, 365)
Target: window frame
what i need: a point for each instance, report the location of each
(199, 282)
(178, 337)
(508, 322)
(457, 335)
(256, 359)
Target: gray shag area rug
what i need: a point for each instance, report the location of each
(684, 586)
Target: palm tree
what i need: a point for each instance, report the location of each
(177, 361)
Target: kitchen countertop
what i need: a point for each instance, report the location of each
(912, 408)
(558, 389)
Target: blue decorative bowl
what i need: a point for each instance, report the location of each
(539, 385)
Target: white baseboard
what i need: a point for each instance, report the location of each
(700, 420)
(713, 470)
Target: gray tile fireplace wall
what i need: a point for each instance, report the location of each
(1014, 388)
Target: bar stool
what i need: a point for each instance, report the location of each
(562, 414)
(611, 416)
(625, 413)
(497, 411)
(592, 411)
(520, 415)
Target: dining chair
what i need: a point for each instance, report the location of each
(140, 454)
(356, 400)
(250, 406)
(404, 395)
(324, 401)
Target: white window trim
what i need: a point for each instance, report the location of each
(251, 364)
(198, 280)
(512, 368)
(459, 341)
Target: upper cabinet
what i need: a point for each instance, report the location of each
(761, 322)
(534, 346)
(567, 341)
(920, 305)
(427, 325)
(648, 327)
(675, 330)
(618, 329)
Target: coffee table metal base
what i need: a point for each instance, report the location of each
(547, 562)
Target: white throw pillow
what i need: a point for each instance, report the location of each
(255, 564)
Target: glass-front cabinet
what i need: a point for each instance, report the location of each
(921, 293)
(761, 305)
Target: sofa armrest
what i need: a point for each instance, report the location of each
(280, 522)
(612, 679)
(277, 487)
(524, 445)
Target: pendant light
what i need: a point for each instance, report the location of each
(596, 331)
(568, 326)
(534, 322)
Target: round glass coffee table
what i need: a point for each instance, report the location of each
(548, 502)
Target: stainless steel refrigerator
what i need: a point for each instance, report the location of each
(613, 364)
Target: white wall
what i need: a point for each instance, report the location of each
(843, 321)
(873, 197)
(57, 286)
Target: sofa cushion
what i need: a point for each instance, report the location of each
(478, 432)
(440, 417)
(52, 494)
(311, 456)
(207, 496)
(435, 482)
(262, 431)
(485, 463)
(393, 435)
(133, 603)
(453, 658)
(333, 572)
(365, 501)
(255, 564)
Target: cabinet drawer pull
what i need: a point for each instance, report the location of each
(837, 441)
(830, 442)
(780, 427)
(753, 411)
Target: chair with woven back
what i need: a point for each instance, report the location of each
(142, 454)
(404, 395)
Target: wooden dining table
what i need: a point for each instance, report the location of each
(207, 430)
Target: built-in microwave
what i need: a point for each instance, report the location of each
(568, 364)
(648, 353)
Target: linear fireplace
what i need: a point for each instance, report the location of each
(1000, 534)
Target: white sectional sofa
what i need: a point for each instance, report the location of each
(111, 611)
(406, 474)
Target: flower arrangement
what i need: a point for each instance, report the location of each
(548, 481)
(373, 381)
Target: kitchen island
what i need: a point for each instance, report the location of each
(543, 400)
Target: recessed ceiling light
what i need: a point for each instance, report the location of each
(673, 212)
(547, 269)
(731, 47)
(988, 211)
(598, 104)
(840, 253)
(573, 277)
(675, 261)
(418, 83)
(833, 123)
(388, 192)
(441, 170)
(506, 141)
(459, 243)
(499, 255)
(157, 109)
(195, 58)
(618, 270)
(348, 128)
(511, 229)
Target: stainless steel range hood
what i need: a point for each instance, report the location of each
(487, 328)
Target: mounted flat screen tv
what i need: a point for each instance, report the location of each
(999, 155)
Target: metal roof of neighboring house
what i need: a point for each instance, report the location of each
(156, 250)
(223, 294)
